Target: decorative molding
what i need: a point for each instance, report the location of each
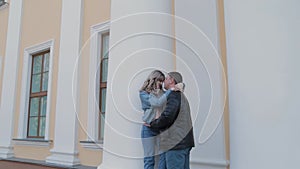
(210, 162)
(25, 87)
(6, 152)
(32, 142)
(68, 159)
(93, 96)
(100, 27)
(92, 145)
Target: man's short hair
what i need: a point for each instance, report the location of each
(176, 76)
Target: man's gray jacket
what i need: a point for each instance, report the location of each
(175, 123)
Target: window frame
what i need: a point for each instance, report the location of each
(102, 85)
(25, 88)
(94, 83)
(37, 95)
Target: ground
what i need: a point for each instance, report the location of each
(8, 164)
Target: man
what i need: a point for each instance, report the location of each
(175, 122)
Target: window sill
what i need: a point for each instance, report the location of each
(3, 6)
(92, 145)
(32, 142)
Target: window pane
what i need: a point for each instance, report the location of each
(37, 64)
(35, 84)
(33, 124)
(42, 126)
(43, 105)
(45, 82)
(104, 70)
(103, 99)
(46, 62)
(34, 106)
(105, 45)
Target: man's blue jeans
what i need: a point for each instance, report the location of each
(177, 159)
(150, 142)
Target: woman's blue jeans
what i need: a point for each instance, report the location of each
(150, 140)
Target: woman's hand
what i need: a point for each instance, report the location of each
(158, 85)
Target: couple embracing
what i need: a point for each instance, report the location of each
(167, 128)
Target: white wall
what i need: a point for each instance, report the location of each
(139, 43)
(197, 48)
(1, 67)
(65, 150)
(263, 73)
(10, 76)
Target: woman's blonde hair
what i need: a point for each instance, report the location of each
(150, 83)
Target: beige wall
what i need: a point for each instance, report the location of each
(95, 11)
(40, 23)
(3, 32)
(29, 152)
(3, 29)
(221, 25)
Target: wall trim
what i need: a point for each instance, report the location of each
(93, 97)
(32, 142)
(210, 162)
(92, 145)
(25, 86)
(63, 158)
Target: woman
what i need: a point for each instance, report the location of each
(153, 99)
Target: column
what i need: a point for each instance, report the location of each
(141, 40)
(263, 75)
(10, 76)
(198, 49)
(65, 138)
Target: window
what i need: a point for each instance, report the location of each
(2, 2)
(38, 95)
(103, 82)
(97, 85)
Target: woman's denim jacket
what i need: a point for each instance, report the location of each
(149, 102)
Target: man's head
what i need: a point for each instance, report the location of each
(172, 79)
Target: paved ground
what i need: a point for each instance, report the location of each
(18, 165)
(12, 164)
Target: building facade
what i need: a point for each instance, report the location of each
(70, 73)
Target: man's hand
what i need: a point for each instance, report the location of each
(146, 124)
